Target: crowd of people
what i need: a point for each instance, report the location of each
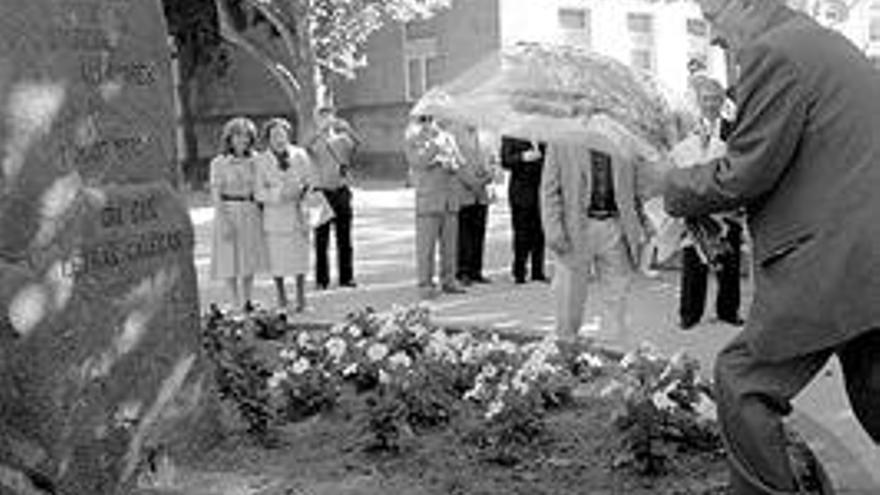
(798, 162)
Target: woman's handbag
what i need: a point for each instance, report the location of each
(318, 209)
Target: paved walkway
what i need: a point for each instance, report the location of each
(384, 268)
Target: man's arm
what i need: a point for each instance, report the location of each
(553, 202)
(773, 113)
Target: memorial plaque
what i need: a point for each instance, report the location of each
(99, 351)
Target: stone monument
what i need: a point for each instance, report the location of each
(100, 363)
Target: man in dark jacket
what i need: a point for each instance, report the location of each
(525, 161)
(804, 160)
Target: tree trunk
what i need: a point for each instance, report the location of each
(190, 151)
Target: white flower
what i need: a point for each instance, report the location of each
(399, 359)
(519, 385)
(300, 366)
(337, 329)
(389, 328)
(489, 370)
(377, 352)
(418, 329)
(349, 370)
(303, 339)
(706, 408)
(355, 331)
(336, 348)
(288, 354)
(276, 379)
(661, 400)
(384, 377)
(591, 360)
(494, 409)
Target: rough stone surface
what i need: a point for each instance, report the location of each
(99, 348)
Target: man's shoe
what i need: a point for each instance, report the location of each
(320, 286)
(453, 289)
(519, 280)
(465, 281)
(735, 321)
(482, 280)
(541, 278)
(351, 284)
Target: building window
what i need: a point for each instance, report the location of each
(419, 30)
(640, 23)
(874, 30)
(422, 74)
(698, 28)
(415, 86)
(572, 19)
(641, 32)
(642, 59)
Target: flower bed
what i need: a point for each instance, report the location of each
(394, 390)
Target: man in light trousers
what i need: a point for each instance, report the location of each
(592, 219)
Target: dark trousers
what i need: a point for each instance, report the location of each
(695, 278)
(753, 395)
(471, 240)
(528, 240)
(340, 202)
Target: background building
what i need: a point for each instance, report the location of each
(405, 61)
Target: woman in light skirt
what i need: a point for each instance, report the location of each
(282, 185)
(238, 249)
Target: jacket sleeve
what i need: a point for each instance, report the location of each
(511, 153)
(772, 115)
(552, 199)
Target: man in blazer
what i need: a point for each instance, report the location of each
(804, 160)
(474, 178)
(434, 160)
(592, 218)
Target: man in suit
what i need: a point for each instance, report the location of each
(525, 161)
(704, 143)
(474, 178)
(332, 149)
(592, 216)
(435, 159)
(804, 160)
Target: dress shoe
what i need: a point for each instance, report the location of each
(735, 321)
(350, 284)
(320, 286)
(519, 280)
(453, 289)
(482, 280)
(465, 280)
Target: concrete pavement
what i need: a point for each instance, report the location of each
(384, 268)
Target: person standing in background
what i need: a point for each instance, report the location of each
(525, 161)
(434, 160)
(283, 180)
(474, 178)
(705, 143)
(238, 248)
(332, 149)
(592, 193)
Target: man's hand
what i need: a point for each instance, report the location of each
(559, 244)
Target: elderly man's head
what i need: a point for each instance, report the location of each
(734, 22)
(710, 96)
